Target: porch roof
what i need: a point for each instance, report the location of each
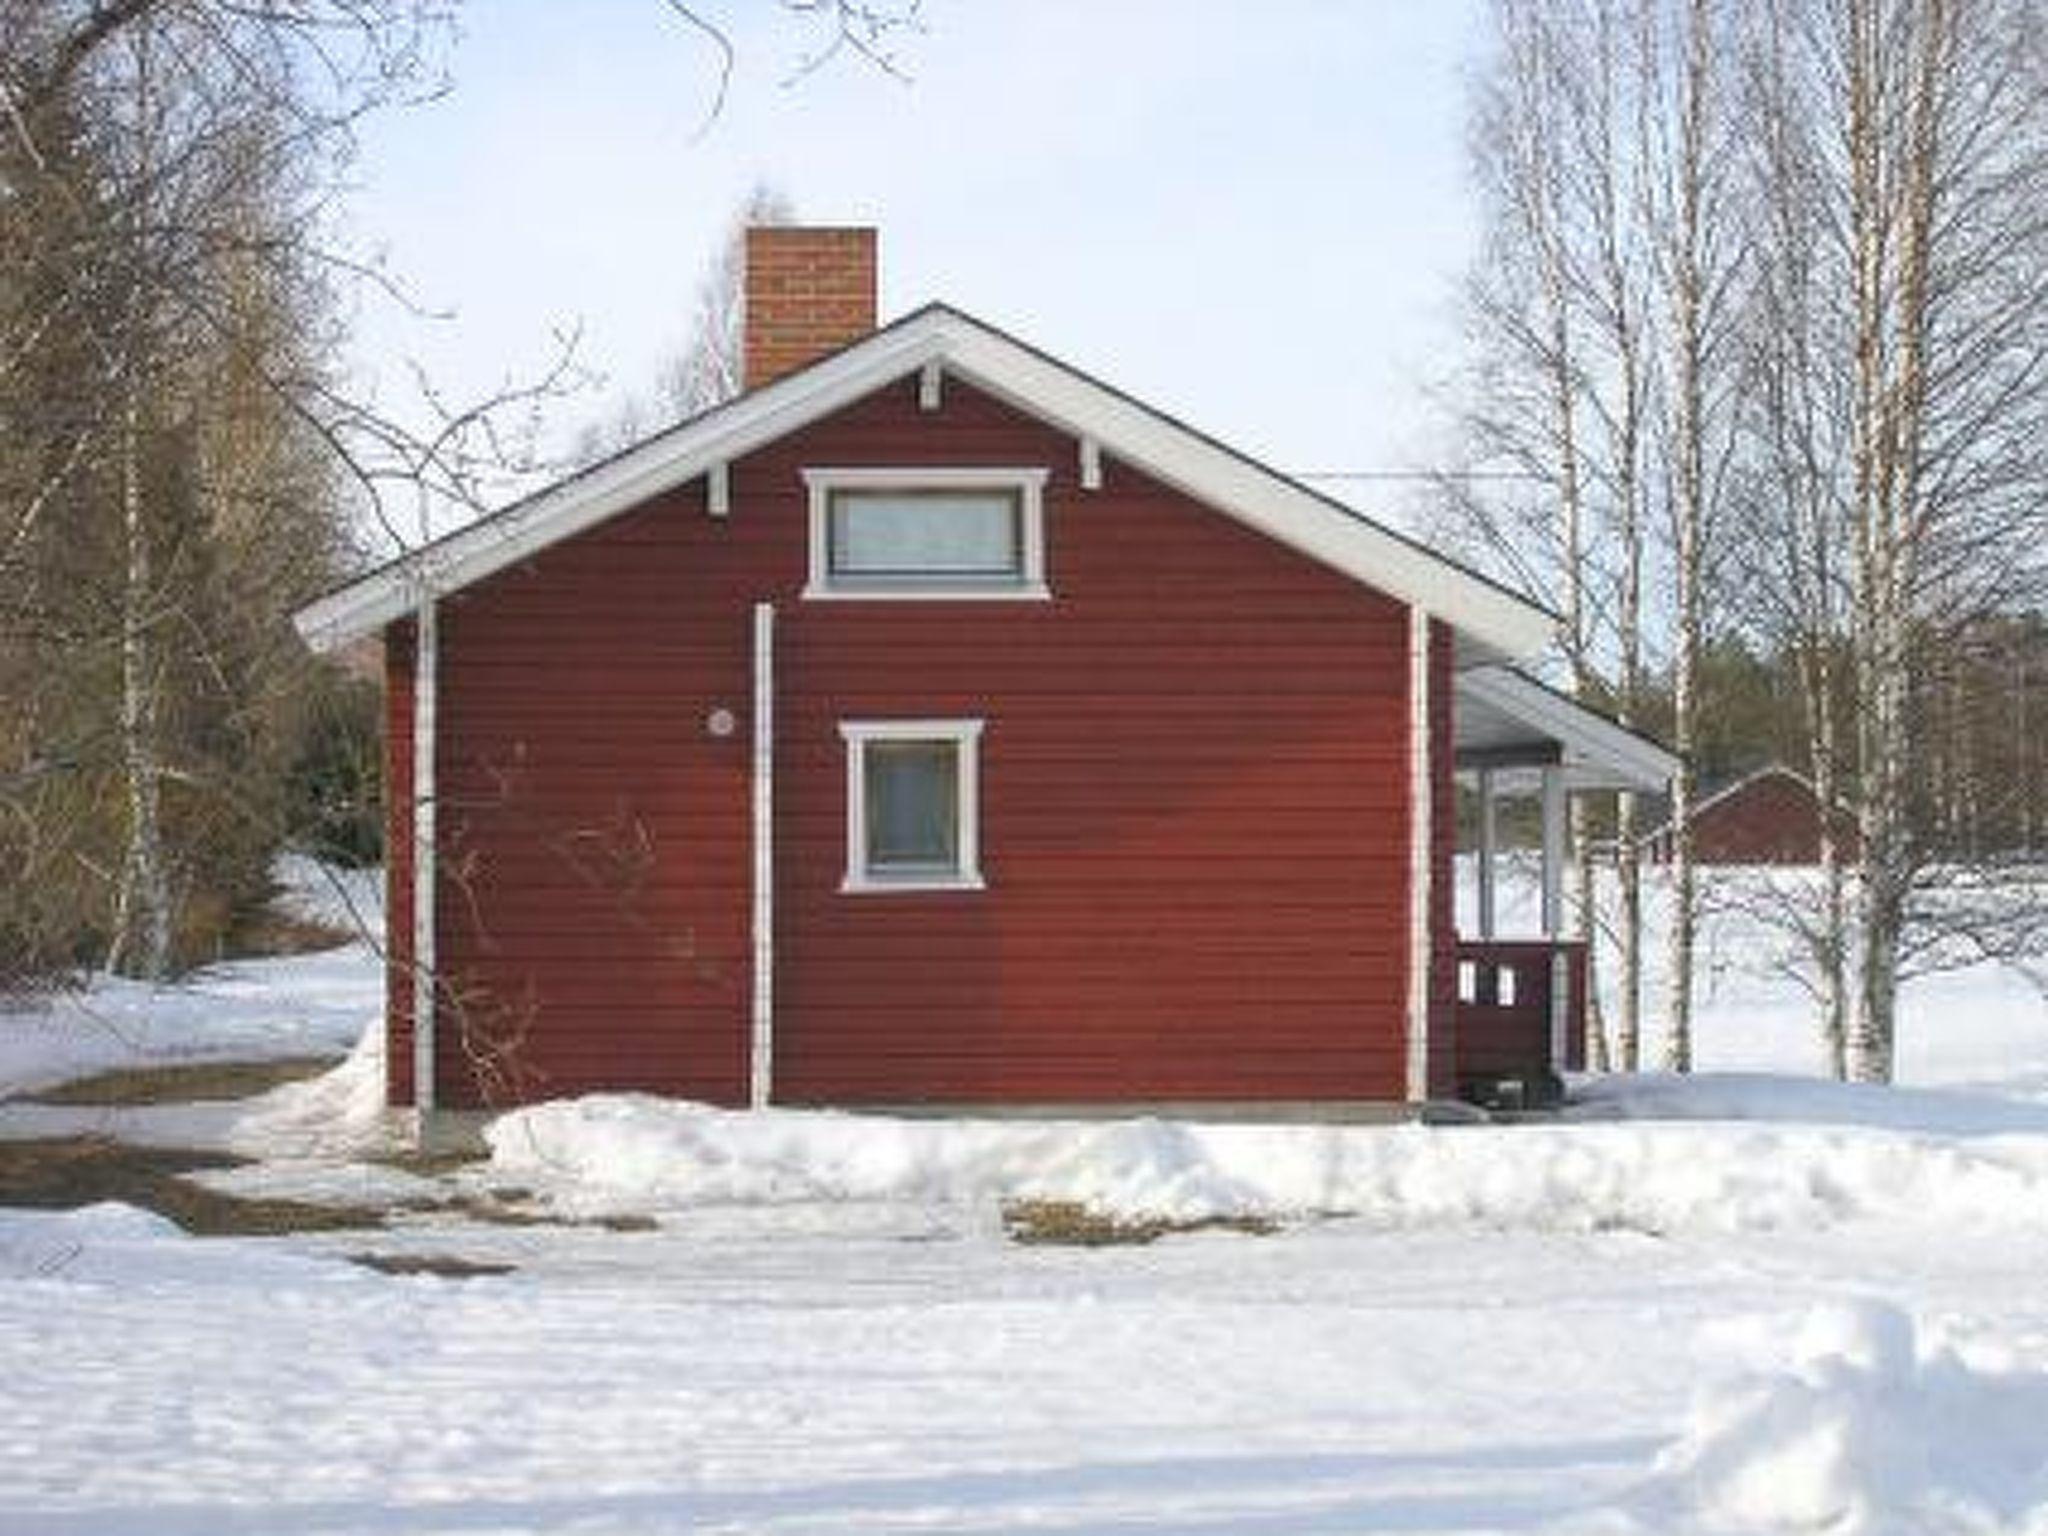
(1506, 721)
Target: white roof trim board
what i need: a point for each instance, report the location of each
(1492, 622)
(1594, 751)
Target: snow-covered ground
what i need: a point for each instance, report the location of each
(244, 1010)
(1983, 1027)
(1745, 1303)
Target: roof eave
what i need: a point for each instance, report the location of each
(1621, 758)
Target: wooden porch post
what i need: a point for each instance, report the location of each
(1553, 912)
(1487, 844)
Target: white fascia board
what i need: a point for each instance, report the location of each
(1586, 737)
(1264, 501)
(754, 420)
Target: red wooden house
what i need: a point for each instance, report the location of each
(934, 725)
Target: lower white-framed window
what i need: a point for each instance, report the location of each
(913, 805)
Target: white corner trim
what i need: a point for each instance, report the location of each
(426, 670)
(718, 488)
(930, 386)
(1027, 482)
(1421, 819)
(966, 737)
(761, 1074)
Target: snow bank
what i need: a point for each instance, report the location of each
(630, 1152)
(112, 1244)
(338, 1112)
(1865, 1424)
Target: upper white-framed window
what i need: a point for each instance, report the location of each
(913, 805)
(966, 532)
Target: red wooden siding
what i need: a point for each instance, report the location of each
(398, 862)
(1194, 806)
(1443, 890)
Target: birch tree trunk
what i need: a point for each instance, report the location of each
(1892, 182)
(142, 927)
(1686, 280)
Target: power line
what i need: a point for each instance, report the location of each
(1416, 474)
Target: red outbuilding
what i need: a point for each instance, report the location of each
(934, 726)
(1771, 816)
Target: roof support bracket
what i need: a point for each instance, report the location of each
(930, 386)
(1091, 464)
(718, 489)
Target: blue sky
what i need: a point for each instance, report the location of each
(1254, 216)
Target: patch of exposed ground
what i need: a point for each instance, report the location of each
(1067, 1223)
(447, 1266)
(186, 1083)
(266, 931)
(64, 1173)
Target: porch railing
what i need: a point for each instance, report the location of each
(1521, 1017)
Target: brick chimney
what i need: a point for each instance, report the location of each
(809, 292)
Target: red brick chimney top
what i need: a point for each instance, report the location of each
(809, 291)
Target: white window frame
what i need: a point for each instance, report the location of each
(1027, 484)
(966, 738)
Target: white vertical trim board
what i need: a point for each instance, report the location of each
(718, 489)
(1421, 819)
(1488, 848)
(930, 386)
(426, 668)
(761, 1075)
(1553, 852)
(1553, 907)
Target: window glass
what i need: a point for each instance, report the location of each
(913, 805)
(967, 533)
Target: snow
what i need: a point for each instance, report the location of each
(627, 1153)
(1853, 1428)
(1743, 1302)
(113, 1247)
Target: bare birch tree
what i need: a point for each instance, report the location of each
(1901, 356)
(1593, 305)
(1693, 209)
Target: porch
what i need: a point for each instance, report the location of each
(1523, 1001)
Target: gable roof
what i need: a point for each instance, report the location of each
(1492, 622)
(1742, 784)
